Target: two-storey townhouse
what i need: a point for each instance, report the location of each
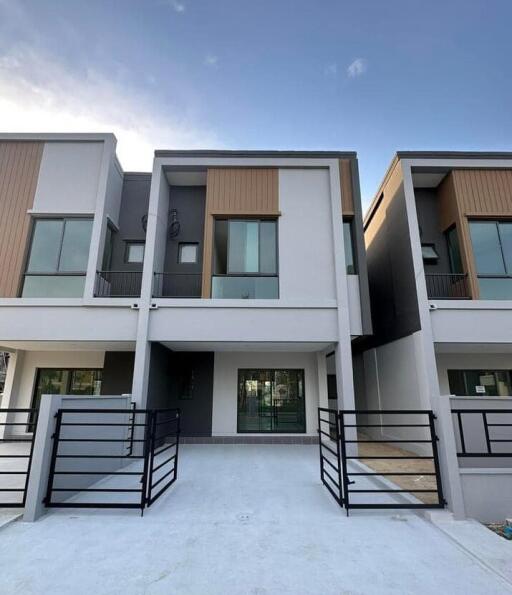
(439, 248)
(230, 284)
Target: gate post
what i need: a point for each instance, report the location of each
(448, 456)
(41, 458)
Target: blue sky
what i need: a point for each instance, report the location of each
(369, 76)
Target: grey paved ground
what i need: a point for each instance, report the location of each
(242, 519)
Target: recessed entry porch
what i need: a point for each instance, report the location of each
(242, 392)
(80, 368)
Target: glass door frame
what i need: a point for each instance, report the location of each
(272, 372)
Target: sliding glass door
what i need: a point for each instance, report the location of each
(271, 401)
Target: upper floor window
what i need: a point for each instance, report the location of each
(187, 253)
(245, 259)
(349, 248)
(134, 252)
(452, 239)
(492, 249)
(480, 383)
(57, 260)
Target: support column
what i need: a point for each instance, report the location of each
(321, 368)
(343, 349)
(12, 387)
(448, 460)
(141, 372)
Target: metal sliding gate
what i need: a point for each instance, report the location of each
(372, 459)
(17, 431)
(112, 458)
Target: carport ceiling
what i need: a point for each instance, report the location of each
(483, 348)
(67, 345)
(241, 346)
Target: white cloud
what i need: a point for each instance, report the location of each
(331, 69)
(211, 60)
(358, 67)
(177, 6)
(40, 94)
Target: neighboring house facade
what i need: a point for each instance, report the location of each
(439, 250)
(229, 284)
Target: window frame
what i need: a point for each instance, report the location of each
(127, 244)
(255, 275)
(429, 259)
(258, 220)
(57, 273)
(450, 247)
(350, 222)
(272, 372)
(497, 223)
(463, 373)
(35, 384)
(180, 246)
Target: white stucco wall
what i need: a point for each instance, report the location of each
(306, 260)
(113, 191)
(487, 494)
(471, 321)
(68, 177)
(225, 385)
(393, 375)
(469, 361)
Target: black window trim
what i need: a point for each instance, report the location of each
(507, 275)
(273, 370)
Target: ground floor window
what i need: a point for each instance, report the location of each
(271, 401)
(480, 383)
(55, 381)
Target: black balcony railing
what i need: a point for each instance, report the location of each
(447, 286)
(483, 432)
(118, 284)
(177, 285)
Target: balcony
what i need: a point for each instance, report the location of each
(248, 286)
(447, 286)
(118, 284)
(177, 285)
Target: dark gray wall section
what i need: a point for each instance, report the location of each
(117, 373)
(134, 205)
(190, 203)
(169, 374)
(360, 248)
(394, 300)
(427, 208)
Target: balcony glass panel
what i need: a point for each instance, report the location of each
(245, 287)
(50, 286)
(495, 288)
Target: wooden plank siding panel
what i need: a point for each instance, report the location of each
(236, 192)
(451, 213)
(19, 171)
(484, 193)
(347, 194)
(473, 193)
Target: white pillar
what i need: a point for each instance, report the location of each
(343, 350)
(448, 461)
(41, 458)
(12, 388)
(321, 368)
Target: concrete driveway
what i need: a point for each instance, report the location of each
(242, 519)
